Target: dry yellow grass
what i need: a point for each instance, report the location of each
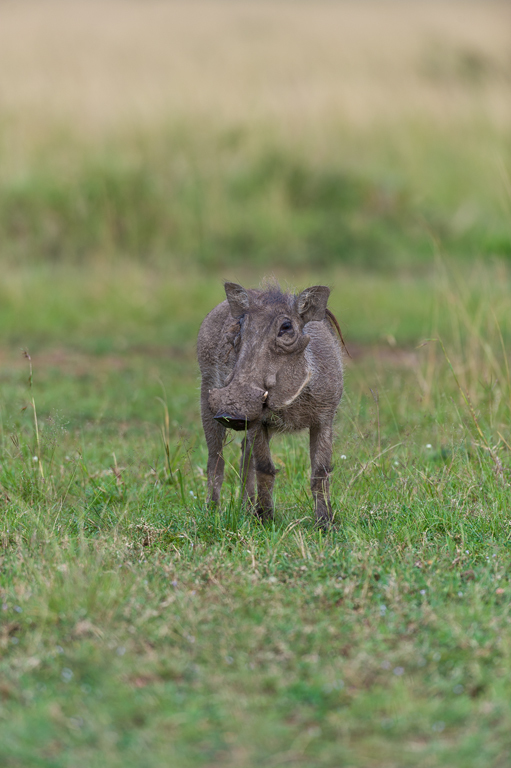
(101, 65)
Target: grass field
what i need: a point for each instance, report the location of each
(142, 160)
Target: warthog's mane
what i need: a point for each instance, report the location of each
(273, 296)
(335, 325)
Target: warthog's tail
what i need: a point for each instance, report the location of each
(333, 322)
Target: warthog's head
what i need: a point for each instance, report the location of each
(271, 368)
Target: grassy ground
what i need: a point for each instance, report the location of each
(388, 199)
(137, 627)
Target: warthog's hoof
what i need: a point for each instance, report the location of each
(264, 515)
(325, 522)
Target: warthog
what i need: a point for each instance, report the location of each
(270, 362)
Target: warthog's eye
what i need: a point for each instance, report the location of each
(286, 326)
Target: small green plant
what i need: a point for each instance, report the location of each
(37, 457)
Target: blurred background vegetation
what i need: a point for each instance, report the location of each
(149, 150)
(174, 144)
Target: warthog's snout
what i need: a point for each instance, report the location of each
(237, 406)
(239, 423)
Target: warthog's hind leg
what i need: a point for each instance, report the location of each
(247, 470)
(265, 472)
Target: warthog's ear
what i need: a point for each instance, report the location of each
(238, 298)
(311, 303)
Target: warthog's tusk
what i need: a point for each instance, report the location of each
(265, 396)
(263, 392)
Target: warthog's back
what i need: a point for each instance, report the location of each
(216, 344)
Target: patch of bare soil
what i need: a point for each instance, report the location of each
(400, 357)
(79, 363)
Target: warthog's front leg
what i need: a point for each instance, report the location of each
(265, 472)
(215, 434)
(247, 469)
(321, 457)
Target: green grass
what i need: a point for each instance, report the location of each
(140, 628)
(385, 199)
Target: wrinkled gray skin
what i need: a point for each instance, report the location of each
(270, 362)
